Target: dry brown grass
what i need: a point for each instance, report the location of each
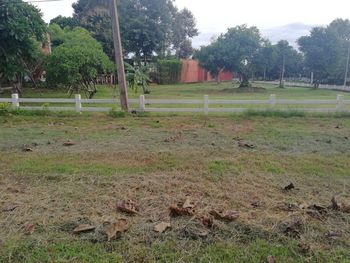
(155, 174)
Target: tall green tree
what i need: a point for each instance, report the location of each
(147, 26)
(322, 53)
(63, 21)
(22, 30)
(240, 45)
(212, 58)
(76, 63)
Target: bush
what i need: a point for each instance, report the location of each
(116, 114)
(169, 71)
(5, 108)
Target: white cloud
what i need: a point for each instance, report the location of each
(214, 17)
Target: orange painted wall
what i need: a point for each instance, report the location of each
(191, 72)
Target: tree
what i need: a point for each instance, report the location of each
(184, 28)
(211, 58)
(240, 44)
(264, 60)
(322, 53)
(22, 30)
(76, 63)
(147, 26)
(63, 21)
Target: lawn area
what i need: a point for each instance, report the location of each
(226, 91)
(196, 91)
(158, 161)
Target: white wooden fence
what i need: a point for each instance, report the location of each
(307, 85)
(204, 105)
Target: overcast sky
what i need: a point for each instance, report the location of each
(271, 16)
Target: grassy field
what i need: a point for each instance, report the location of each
(158, 161)
(225, 91)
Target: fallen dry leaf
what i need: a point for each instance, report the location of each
(246, 145)
(332, 235)
(314, 214)
(188, 204)
(27, 149)
(83, 228)
(113, 229)
(318, 208)
(289, 187)
(202, 232)
(69, 143)
(9, 208)
(292, 228)
(207, 221)
(228, 215)
(161, 227)
(271, 259)
(340, 206)
(128, 207)
(176, 210)
(29, 229)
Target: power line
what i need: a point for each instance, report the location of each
(42, 1)
(32, 1)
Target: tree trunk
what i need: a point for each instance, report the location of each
(282, 73)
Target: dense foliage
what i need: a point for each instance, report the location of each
(76, 62)
(325, 51)
(147, 26)
(169, 71)
(22, 32)
(233, 51)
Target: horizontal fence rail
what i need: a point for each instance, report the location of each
(307, 85)
(205, 105)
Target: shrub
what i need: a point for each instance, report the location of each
(169, 71)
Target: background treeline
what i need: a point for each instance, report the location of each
(155, 36)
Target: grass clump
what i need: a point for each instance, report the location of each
(274, 113)
(116, 114)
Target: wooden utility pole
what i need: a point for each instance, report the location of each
(119, 56)
(347, 67)
(282, 72)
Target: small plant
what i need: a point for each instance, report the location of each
(5, 108)
(46, 107)
(138, 77)
(114, 113)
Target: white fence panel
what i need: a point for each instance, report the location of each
(78, 104)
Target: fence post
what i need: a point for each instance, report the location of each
(142, 103)
(206, 104)
(272, 100)
(78, 106)
(340, 99)
(15, 102)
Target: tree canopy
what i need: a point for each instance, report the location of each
(76, 62)
(233, 51)
(147, 26)
(22, 31)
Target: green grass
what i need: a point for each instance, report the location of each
(158, 160)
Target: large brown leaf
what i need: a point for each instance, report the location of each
(340, 206)
(119, 226)
(227, 215)
(128, 206)
(162, 227)
(69, 143)
(83, 228)
(178, 210)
